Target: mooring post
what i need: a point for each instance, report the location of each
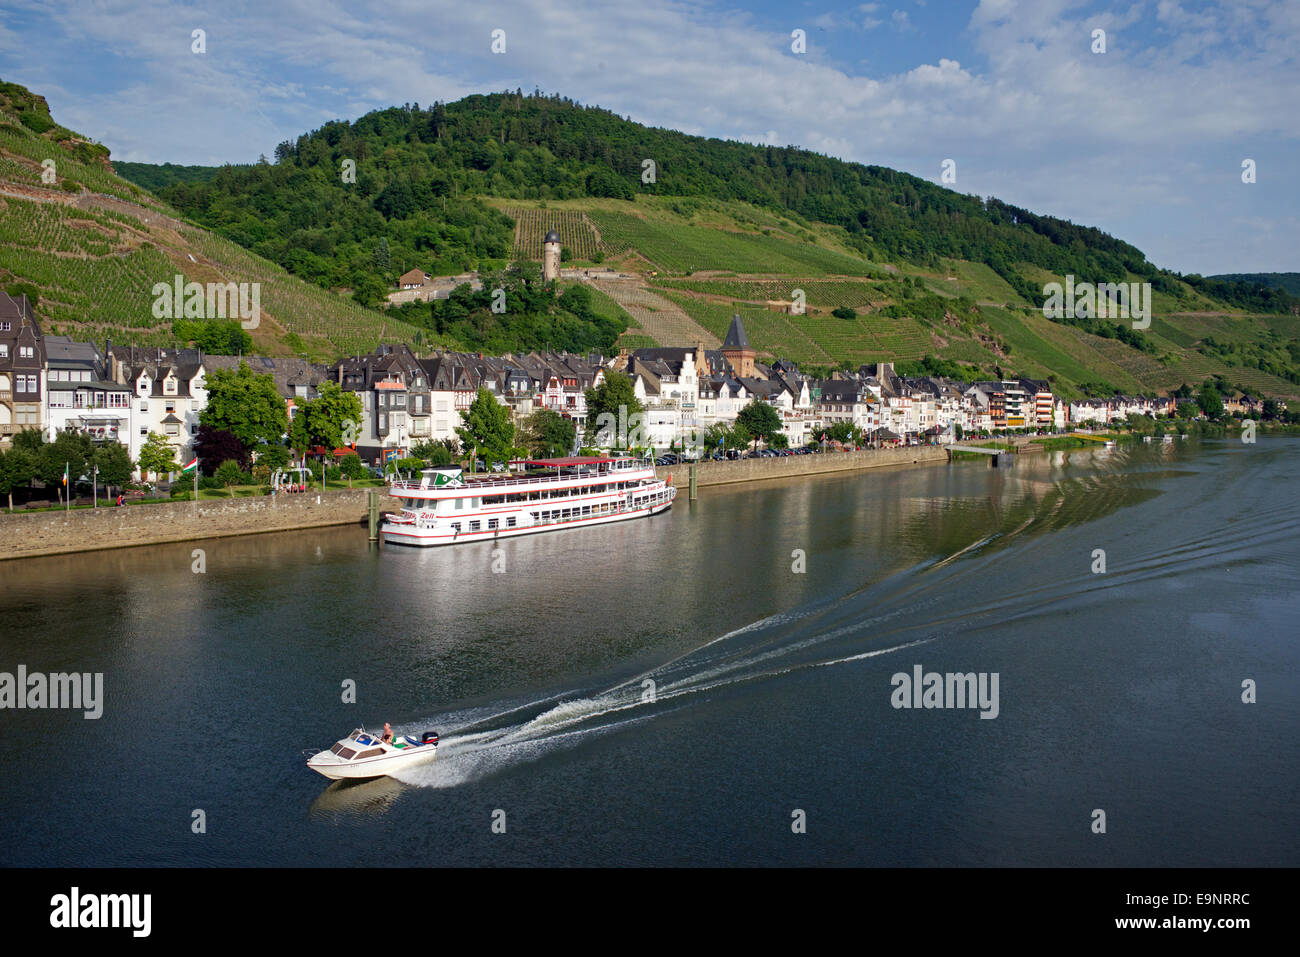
(693, 492)
(374, 515)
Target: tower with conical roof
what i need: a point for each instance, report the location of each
(551, 256)
(737, 350)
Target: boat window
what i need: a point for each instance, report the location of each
(492, 523)
(337, 748)
(474, 526)
(346, 754)
(510, 522)
(373, 752)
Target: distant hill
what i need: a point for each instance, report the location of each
(886, 266)
(155, 177)
(418, 172)
(88, 247)
(1287, 281)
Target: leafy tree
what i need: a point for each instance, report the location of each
(761, 419)
(214, 446)
(29, 440)
(1210, 401)
(228, 475)
(487, 428)
(115, 465)
(352, 468)
(432, 453)
(324, 420)
(549, 434)
(157, 456)
(739, 437)
(844, 312)
(70, 451)
(273, 456)
(247, 404)
(610, 408)
(17, 469)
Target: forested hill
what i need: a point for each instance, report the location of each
(419, 169)
(1286, 281)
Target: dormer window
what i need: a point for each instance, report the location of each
(144, 386)
(169, 386)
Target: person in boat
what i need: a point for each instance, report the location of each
(388, 734)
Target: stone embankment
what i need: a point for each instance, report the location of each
(53, 533)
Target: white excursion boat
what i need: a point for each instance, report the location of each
(446, 507)
(363, 755)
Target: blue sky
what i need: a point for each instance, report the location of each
(1145, 140)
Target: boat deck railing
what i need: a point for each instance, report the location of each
(406, 485)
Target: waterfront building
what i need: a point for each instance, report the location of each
(22, 367)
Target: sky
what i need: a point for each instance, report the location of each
(1141, 130)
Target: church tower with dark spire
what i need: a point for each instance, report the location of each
(737, 350)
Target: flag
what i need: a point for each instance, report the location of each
(194, 463)
(65, 474)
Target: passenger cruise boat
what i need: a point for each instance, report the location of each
(446, 507)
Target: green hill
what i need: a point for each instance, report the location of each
(913, 269)
(1286, 281)
(88, 247)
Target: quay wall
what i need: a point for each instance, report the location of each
(756, 470)
(53, 533)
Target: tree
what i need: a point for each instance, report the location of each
(325, 420)
(214, 446)
(114, 462)
(17, 469)
(432, 453)
(68, 454)
(273, 456)
(762, 420)
(157, 456)
(1210, 401)
(29, 440)
(610, 410)
(844, 312)
(352, 468)
(229, 474)
(487, 428)
(550, 434)
(247, 404)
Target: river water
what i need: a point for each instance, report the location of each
(710, 686)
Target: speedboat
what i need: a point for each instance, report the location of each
(362, 754)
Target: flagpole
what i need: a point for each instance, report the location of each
(67, 487)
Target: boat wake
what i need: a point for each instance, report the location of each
(1051, 529)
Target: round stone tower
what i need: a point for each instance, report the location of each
(551, 256)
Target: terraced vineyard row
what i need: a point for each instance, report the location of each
(828, 293)
(20, 142)
(684, 249)
(531, 226)
(658, 317)
(338, 324)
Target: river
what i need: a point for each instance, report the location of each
(713, 686)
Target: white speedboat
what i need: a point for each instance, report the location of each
(363, 755)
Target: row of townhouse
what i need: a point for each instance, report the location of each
(407, 399)
(685, 391)
(1089, 412)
